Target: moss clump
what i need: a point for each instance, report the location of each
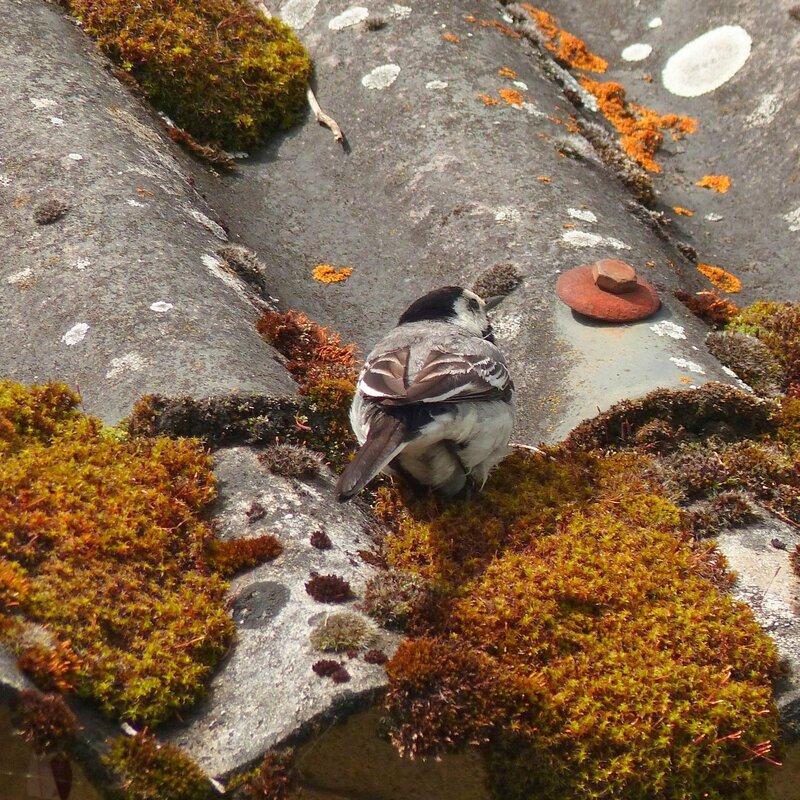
(149, 770)
(50, 211)
(328, 668)
(500, 279)
(272, 779)
(581, 634)
(329, 588)
(233, 555)
(714, 310)
(219, 68)
(103, 545)
(393, 597)
(777, 325)
(290, 460)
(750, 359)
(344, 631)
(46, 722)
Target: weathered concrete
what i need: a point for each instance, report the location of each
(122, 295)
(747, 128)
(266, 692)
(759, 554)
(435, 187)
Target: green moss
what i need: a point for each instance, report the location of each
(597, 656)
(101, 542)
(777, 325)
(149, 770)
(218, 68)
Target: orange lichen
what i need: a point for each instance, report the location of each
(567, 48)
(327, 273)
(512, 96)
(470, 18)
(720, 278)
(504, 29)
(488, 100)
(451, 37)
(640, 128)
(507, 72)
(684, 212)
(543, 178)
(719, 183)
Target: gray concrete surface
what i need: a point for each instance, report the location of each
(265, 692)
(123, 294)
(747, 128)
(435, 187)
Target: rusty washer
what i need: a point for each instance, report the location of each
(608, 290)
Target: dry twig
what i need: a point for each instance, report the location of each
(323, 118)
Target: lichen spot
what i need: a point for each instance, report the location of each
(718, 183)
(707, 62)
(667, 328)
(637, 52)
(683, 212)
(720, 278)
(161, 307)
(327, 273)
(298, 13)
(381, 77)
(682, 363)
(352, 16)
(75, 334)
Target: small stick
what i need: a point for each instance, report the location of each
(323, 118)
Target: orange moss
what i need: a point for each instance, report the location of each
(716, 311)
(488, 100)
(719, 183)
(507, 72)
(567, 48)
(451, 37)
(327, 273)
(720, 278)
(512, 96)
(640, 128)
(684, 212)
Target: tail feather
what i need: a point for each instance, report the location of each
(386, 438)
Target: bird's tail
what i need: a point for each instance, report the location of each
(386, 438)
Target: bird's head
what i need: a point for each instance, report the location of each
(455, 305)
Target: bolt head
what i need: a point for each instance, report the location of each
(612, 275)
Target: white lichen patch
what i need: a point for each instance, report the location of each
(130, 362)
(712, 217)
(381, 77)
(436, 85)
(741, 384)
(20, 278)
(346, 19)
(521, 85)
(56, 121)
(582, 214)
(532, 110)
(75, 156)
(135, 203)
(656, 22)
(637, 52)
(707, 62)
(793, 218)
(507, 214)
(691, 366)
(667, 328)
(400, 12)
(161, 307)
(209, 223)
(298, 13)
(507, 326)
(75, 334)
(588, 239)
(42, 102)
(768, 106)
(81, 263)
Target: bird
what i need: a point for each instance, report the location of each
(434, 399)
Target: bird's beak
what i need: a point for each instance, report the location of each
(491, 302)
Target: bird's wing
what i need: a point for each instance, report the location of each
(444, 377)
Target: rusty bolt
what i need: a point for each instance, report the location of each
(612, 275)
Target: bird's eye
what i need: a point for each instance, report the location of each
(473, 304)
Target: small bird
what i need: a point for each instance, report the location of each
(433, 401)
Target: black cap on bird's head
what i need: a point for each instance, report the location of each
(453, 304)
